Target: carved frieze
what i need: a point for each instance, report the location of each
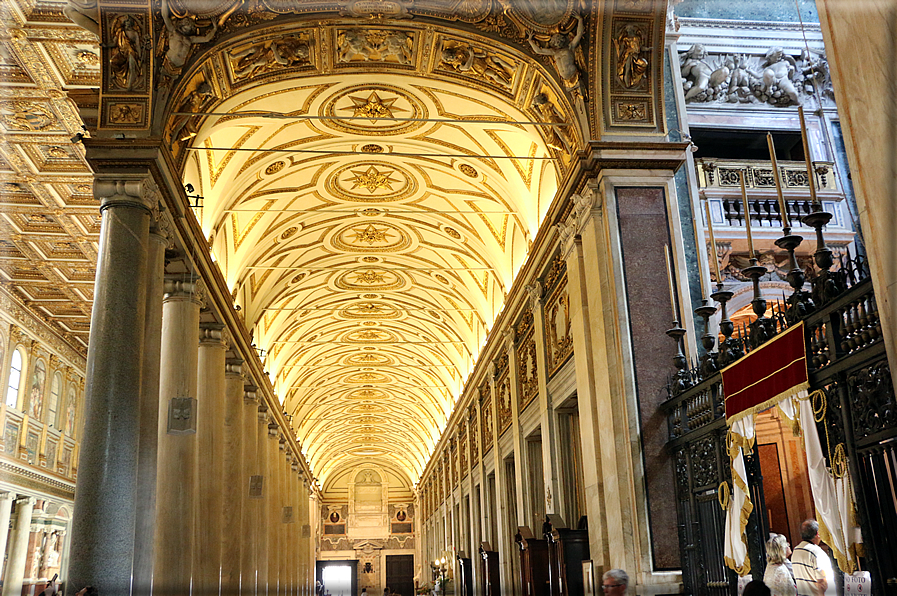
(774, 78)
(270, 56)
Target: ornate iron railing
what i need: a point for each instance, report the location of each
(846, 360)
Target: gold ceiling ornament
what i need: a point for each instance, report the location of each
(377, 103)
(468, 170)
(370, 310)
(370, 277)
(370, 296)
(452, 232)
(275, 167)
(371, 259)
(374, 107)
(379, 237)
(288, 232)
(367, 336)
(371, 148)
(372, 234)
(372, 179)
(24, 115)
(362, 280)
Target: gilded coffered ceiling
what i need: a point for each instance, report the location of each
(49, 223)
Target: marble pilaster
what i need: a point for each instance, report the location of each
(233, 537)
(176, 474)
(210, 400)
(18, 548)
(105, 512)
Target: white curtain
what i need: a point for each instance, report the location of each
(739, 440)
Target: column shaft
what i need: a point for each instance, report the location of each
(251, 504)
(210, 460)
(147, 459)
(6, 500)
(233, 537)
(176, 474)
(18, 548)
(103, 523)
(262, 523)
(273, 526)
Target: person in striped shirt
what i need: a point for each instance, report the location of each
(813, 571)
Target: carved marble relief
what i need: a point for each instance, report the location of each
(558, 335)
(462, 447)
(486, 411)
(484, 66)
(775, 78)
(473, 424)
(527, 368)
(270, 56)
(503, 399)
(374, 45)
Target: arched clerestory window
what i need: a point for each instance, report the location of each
(15, 379)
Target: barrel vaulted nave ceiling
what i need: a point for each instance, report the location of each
(369, 189)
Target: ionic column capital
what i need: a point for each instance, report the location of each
(162, 227)
(535, 292)
(233, 368)
(25, 500)
(263, 413)
(273, 428)
(214, 334)
(122, 191)
(7, 496)
(181, 289)
(250, 394)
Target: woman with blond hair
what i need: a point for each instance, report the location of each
(778, 577)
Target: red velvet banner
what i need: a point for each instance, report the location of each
(768, 374)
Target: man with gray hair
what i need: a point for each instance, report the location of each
(614, 582)
(812, 568)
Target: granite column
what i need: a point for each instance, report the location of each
(105, 513)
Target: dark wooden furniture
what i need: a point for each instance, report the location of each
(465, 566)
(567, 549)
(533, 563)
(491, 585)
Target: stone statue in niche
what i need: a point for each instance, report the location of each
(182, 33)
(180, 128)
(126, 53)
(632, 64)
(557, 137)
(268, 56)
(775, 78)
(374, 45)
(562, 51)
(476, 62)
